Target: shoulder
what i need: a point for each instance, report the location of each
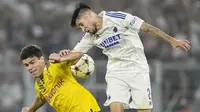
(116, 15)
(60, 65)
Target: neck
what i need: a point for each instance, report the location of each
(99, 23)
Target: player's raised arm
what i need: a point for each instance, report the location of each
(69, 57)
(35, 106)
(185, 44)
(73, 56)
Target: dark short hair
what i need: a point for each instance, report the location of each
(30, 51)
(79, 7)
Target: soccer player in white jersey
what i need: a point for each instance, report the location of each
(127, 73)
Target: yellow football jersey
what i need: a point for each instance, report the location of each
(60, 89)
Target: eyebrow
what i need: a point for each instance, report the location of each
(29, 62)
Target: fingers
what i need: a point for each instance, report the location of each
(54, 57)
(51, 61)
(187, 45)
(64, 52)
(184, 47)
(187, 41)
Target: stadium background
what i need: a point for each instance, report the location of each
(175, 76)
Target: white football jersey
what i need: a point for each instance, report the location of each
(120, 41)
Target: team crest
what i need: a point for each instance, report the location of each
(115, 29)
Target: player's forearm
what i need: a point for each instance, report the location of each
(73, 56)
(156, 32)
(37, 104)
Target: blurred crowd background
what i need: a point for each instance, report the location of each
(175, 75)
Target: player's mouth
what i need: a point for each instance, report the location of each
(87, 31)
(33, 72)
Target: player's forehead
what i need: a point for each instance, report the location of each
(82, 16)
(80, 20)
(29, 59)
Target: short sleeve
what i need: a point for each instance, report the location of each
(85, 44)
(125, 19)
(63, 65)
(134, 22)
(38, 90)
(60, 69)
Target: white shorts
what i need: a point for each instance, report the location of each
(132, 90)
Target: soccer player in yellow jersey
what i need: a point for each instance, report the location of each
(54, 82)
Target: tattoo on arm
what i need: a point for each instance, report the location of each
(155, 31)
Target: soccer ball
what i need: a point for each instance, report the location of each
(84, 67)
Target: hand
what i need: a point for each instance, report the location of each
(64, 52)
(185, 44)
(26, 109)
(54, 58)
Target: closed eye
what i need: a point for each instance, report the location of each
(29, 63)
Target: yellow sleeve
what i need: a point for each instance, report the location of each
(63, 68)
(63, 65)
(39, 90)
